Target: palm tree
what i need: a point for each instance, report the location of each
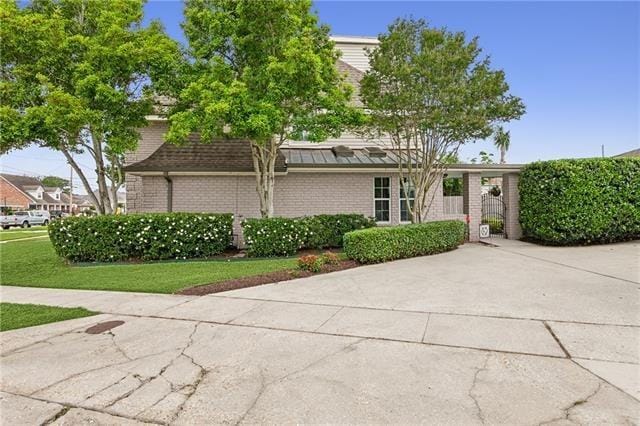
(502, 141)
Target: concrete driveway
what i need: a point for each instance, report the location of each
(515, 334)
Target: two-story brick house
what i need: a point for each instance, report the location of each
(344, 175)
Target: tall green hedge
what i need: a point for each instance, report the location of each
(375, 245)
(584, 201)
(141, 236)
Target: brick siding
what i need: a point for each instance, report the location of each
(472, 203)
(512, 206)
(151, 137)
(12, 197)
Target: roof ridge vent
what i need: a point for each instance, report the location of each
(342, 151)
(375, 152)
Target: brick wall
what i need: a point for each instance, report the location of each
(151, 137)
(296, 194)
(512, 206)
(11, 196)
(472, 203)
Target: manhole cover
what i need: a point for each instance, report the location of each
(103, 326)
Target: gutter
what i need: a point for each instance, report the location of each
(169, 192)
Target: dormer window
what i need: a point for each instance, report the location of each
(56, 195)
(39, 195)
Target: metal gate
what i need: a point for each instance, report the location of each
(493, 214)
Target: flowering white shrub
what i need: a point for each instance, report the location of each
(153, 236)
(275, 236)
(284, 237)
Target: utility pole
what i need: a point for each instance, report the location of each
(602, 150)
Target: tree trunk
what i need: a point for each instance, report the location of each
(503, 154)
(103, 191)
(83, 178)
(264, 164)
(114, 197)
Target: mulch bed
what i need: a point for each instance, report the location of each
(268, 278)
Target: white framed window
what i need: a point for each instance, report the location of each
(57, 195)
(39, 195)
(382, 199)
(409, 195)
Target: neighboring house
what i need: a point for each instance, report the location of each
(28, 193)
(83, 203)
(632, 153)
(349, 174)
(122, 199)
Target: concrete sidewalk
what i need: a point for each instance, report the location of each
(440, 339)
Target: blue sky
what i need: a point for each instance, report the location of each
(575, 64)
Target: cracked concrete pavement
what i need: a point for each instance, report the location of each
(515, 334)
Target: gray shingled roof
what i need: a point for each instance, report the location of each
(632, 153)
(221, 155)
(28, 183)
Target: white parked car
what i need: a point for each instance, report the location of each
(25, 219)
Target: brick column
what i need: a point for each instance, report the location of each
(511, 197)
(472, 203)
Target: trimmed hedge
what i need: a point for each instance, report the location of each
(327, 230)
(280, 236)
(276, 236)
(141, 236)
(382, 244)
(584, 201)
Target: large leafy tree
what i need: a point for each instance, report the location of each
(57, 181)
(431, 91)
(262, 71)
(75, 78)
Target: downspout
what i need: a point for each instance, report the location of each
(169, 192)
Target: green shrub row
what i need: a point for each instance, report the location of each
(582, 201)
(283, 236)
(141, 236)
(276, 236)
(382, 244)
(327, 230)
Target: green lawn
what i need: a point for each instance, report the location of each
(15, 315)
(33, 263)
(17, 235)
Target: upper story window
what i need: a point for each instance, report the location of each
(56, 195)
(382, 198)
(39, 195)
(410, 195)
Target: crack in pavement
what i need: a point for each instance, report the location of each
(312, 364)
(567, 410)
(193, 387)
(22, 349)
(126, 375)
(173, 388)
(117, 346)
(473, 385)
(263, 387)
(556, 338)
(57, 415)
(80, 407)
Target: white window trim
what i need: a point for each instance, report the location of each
(400, 202)
(381, 199)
